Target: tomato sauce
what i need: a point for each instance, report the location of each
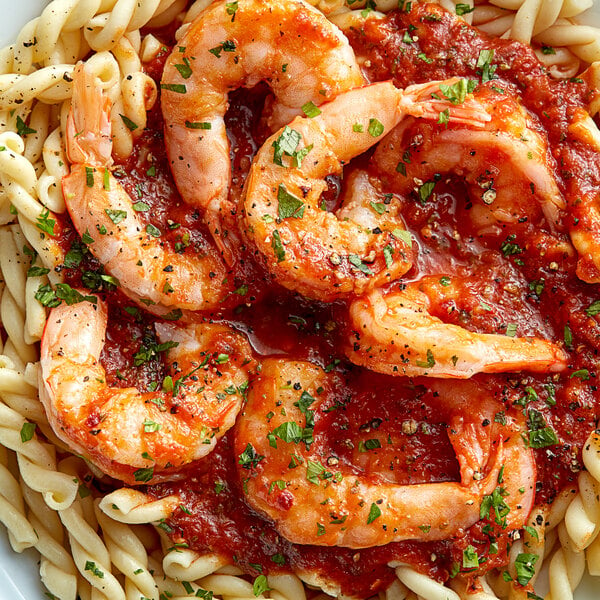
(519, 278)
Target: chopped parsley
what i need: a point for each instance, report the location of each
(45, 223)
(458, 91)
(540, 434)
(260, 585)
(249, 458)
(27, 431)
(144, 475)
(128, 123)
(470, 559)
(374, 513)
(375, 128)
(463, 9)
(226, 46)
(311, 110)
(289, 205)
(525, 567)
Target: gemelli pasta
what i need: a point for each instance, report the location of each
(380, 384)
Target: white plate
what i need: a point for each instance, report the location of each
(19, 573)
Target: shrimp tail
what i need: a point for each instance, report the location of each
(441, 100)
(88, 125)
(224, 236)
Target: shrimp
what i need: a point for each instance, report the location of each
(315, 495)
(134, 435)
(395, 333)
(304, 58)
(584, 208)
(104, 215)
(506, 164)
(327, 255)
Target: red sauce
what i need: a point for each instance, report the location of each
(534, 288)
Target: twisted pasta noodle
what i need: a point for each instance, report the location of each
(228, 585)
(561, 62)
(57, 19)
(59, 490)
(532, 17)
(57, 569)
(90, 554)
(13, 317)
(6, 209)
(183, 564)
(10, 377)
(104, 30)
(566, 569)
(51, 523)
(149, 48)
(132, 93)
(396, 591)
(169, 587)
(582, 518)
(172, 11)
(467, 8)
(128, 554)
(59, 583)
(50, 84)
(548, 23)
(423, 585)
(95, 571)
(104, 66)
(590, 454)
(286, 587)
(15, 260)
(47, 248)
(591, 460)
(132, 507)
(39, 122)
(2, 355)
(137, 95)
(582, 40)
(55, 161)
(36, 460)
(16, 170)
(27, 405)
(511, 591)
(23, 62)
(592, 555)
(536, 540)
(35, 315)
(21, 534)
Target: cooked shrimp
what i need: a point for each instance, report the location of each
(287, 43)
(292, 474)
(584, 209)
(103, 214)
(507, 166)
(133, 435)
(321, 254)
(395, 333)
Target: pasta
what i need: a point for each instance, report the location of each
(99, 539)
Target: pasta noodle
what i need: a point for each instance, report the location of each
(96, 543)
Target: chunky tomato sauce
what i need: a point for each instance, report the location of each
(519, 278)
